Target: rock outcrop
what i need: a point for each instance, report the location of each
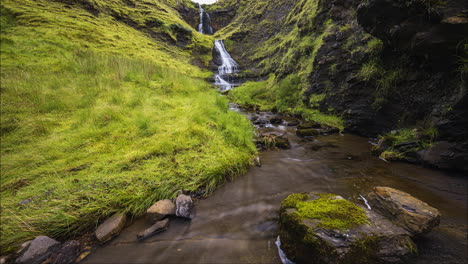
(414, 215)
(38, 251)
(111, 227)
(325, 228)
(160, 210)
(352, 234)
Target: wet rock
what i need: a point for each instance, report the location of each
(5, 259)
(67, 254)
(276, 120)
(414, 215)
(328, 130)
(309, 240)
(184, 206)
(445, 155)
(38, 251)
(309, 124)
(160, 210)
(291, 121)
(309, 132)
(111, 227)
(158, 227)
(270, 140)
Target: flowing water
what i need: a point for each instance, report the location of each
(226, 69)
(205, 22)
(237, 223)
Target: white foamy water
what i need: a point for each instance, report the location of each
(366, 202)
(202, 26)
(229, 65)
(283, 257)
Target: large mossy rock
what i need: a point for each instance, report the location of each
(404, 210)
(325, 228)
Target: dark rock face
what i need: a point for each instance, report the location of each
(38, 251)
(68, 253)
(445, 155)
(378, 241)
(418, 26)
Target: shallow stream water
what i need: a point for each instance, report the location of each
(237, 223)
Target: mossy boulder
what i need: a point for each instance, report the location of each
(325, 228)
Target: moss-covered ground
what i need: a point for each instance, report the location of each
(103, 112)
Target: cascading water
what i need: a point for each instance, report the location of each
(228, 66)
(205, 22)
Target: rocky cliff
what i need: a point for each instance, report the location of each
(382, 66)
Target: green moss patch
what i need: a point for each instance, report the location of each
(333, 213)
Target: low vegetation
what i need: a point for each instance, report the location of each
(282, 96)
(100, 116)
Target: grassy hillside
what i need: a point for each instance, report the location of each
(103, 112)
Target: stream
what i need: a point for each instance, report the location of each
(237, 223)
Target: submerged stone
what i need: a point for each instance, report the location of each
(158, 227)
(412, 214)
(111, 227)
(309, 132)
(325, 228)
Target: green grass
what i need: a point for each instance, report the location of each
(283, 96)
(99, 117)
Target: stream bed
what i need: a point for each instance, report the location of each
(237, 223)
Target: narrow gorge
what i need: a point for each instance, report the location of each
(240, 131)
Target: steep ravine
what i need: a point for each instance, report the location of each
(379, 71)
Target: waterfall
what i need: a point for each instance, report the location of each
(228, 64)
(204, 17)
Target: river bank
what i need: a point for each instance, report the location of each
(238, 222)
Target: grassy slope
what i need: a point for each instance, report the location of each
(99, 117)
(288, 52)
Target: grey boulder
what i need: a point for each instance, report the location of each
(184, 206)
(111, 227)
(160, 210)
(38, 251)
